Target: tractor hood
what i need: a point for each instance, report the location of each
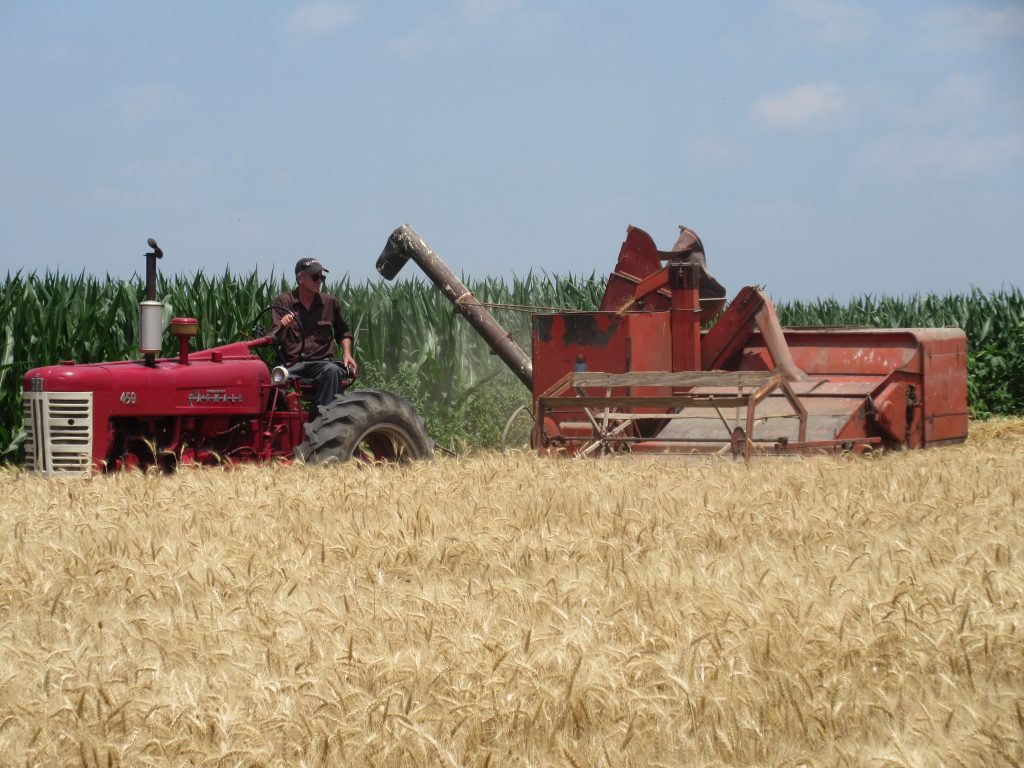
(209, 383)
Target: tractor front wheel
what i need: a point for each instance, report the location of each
(371, 425)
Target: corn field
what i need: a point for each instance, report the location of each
(408, 339)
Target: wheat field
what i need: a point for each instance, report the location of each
(507, 610)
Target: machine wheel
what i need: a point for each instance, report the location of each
(371, 425)
(519, 429)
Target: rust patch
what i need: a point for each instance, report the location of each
(581, 330)
(584, 331)
(542, 327)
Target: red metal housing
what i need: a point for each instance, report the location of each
(644, 374)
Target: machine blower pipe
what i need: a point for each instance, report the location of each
(404, 244)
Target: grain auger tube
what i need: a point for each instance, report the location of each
(405, 244)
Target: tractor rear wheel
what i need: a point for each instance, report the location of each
(371, 425)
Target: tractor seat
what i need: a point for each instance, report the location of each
(281, 377)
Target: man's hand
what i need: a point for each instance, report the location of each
(346, 355)
(288, 319)
(350, 362)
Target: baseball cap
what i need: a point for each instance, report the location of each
(309, 265)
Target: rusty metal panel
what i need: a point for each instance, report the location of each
(638, 258)
(944, 354)
(650, 343)
(599, 341)
(593, 341)
(730, 333)
(865, 351)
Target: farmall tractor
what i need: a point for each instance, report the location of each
(223, 404)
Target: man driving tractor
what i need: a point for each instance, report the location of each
(309, 327)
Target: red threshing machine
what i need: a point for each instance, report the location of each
(211, 406)
(650, 373)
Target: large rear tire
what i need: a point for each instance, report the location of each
(371, 425)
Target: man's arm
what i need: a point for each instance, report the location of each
(344, 337)
(283, 314)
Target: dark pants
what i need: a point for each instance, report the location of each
(325, 375)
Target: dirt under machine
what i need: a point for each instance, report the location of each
(666, 366)
(224, 404)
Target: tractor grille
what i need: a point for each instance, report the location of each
(58, 433)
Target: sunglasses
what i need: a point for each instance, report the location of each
(316, 278)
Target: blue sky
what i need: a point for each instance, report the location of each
(819, 147)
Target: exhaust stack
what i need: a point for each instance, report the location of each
(404, 244)
(151, 311)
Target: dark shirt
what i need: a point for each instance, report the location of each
(322, 327)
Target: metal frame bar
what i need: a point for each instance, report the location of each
(604, 435)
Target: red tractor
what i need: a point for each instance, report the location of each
(224, 404)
